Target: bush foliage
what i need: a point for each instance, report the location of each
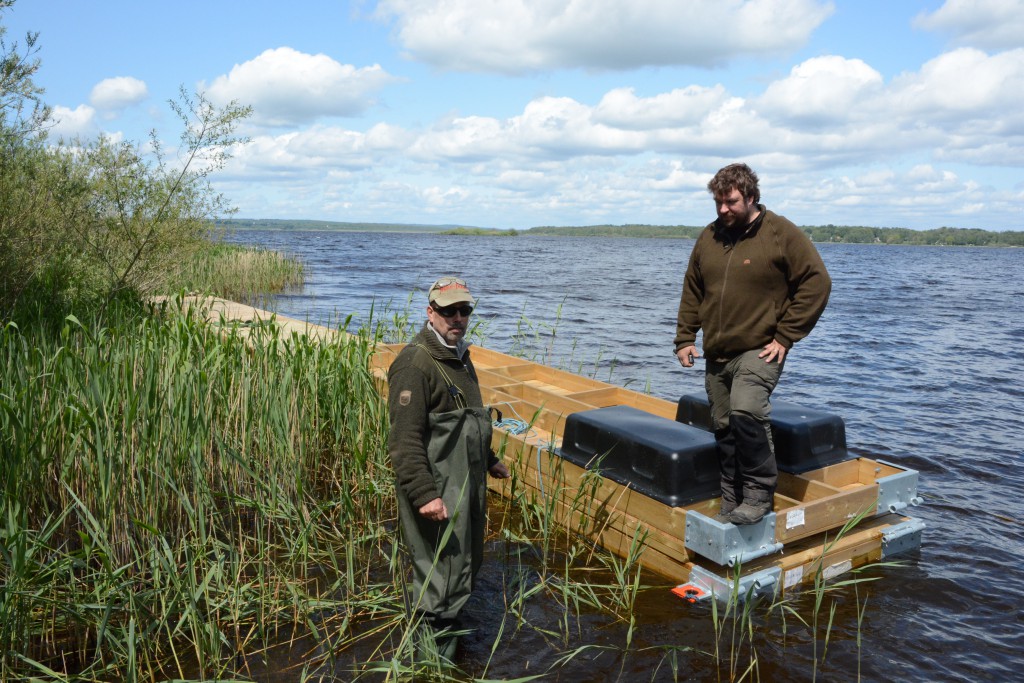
(85, 222)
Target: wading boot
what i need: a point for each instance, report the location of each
(446, 636)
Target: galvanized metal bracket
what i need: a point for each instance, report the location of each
(902, 537)
(730, 544)
(704, 584)
(897, 491)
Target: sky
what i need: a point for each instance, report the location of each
(520, 113)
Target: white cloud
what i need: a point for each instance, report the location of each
(72, 123)
(285, 86)
(681, 107)
(118, 93)
(681, 179)
(521, 180)
(516, 36)
(988, 24)
(821, 90)
(964, 84)
(548, 128)
(308, 153)
(920, 195)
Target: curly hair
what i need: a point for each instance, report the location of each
(735, 177)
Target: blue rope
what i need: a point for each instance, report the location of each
(512, 425)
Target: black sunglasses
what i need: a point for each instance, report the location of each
(448, 311)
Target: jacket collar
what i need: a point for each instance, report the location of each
(442, 348)
(724, 234)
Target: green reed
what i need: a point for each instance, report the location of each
(237, 272)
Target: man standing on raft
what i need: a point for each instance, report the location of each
(756, 285)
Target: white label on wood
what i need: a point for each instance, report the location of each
(793, 577)
(795, 518)
(837, 569)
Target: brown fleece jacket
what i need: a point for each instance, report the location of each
(746, 289)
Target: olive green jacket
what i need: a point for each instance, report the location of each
(417, 388)
(744, 290)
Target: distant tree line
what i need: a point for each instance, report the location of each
(849, 234)
(968, 237)
(511, 232)
(950, 237)
(628, 230)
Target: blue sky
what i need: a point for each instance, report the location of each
(517, 113)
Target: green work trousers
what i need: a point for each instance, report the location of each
(739, 392)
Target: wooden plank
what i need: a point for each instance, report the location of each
(602, 501)
(557, 403)
(802, 488)
(543, 374)
(617, 396)
(823, 514)
(851, 473)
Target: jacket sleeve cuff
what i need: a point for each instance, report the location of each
(422, 497)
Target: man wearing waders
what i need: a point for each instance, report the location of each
(440, 446)
(756, 285)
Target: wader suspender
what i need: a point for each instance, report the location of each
(453, 391)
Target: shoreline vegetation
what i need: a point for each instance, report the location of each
(840, 234)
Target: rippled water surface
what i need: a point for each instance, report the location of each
(921, 351)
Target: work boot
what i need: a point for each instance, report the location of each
(754, 507)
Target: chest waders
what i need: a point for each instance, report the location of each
(447, 555)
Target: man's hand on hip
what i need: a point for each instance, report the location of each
(773, 351)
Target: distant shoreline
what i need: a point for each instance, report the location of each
(833, 234)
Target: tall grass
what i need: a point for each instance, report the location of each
(237, 272)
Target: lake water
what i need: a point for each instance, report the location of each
(921, 351)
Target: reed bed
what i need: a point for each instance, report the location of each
(175, 492)
(236, 272)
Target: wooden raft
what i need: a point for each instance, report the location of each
(617, 517)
